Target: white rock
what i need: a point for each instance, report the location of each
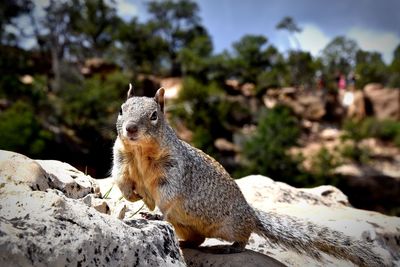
(16, 169)
(326, 206)
(69, 180)
(330, 134)
(41, 226)
(45, 229)
(261, 189)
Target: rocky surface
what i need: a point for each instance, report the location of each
(324, 205)
(384, 102)
(46, 220)
(305, 105)
(373, 184)
(372, 187)
(53, 215)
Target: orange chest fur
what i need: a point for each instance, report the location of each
(146, 169)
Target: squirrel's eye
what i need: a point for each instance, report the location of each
(120, 111)
(153, 116)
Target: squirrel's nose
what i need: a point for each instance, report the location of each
(131, 128)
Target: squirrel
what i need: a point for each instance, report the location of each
(198, 196)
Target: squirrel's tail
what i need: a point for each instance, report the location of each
(302, 236)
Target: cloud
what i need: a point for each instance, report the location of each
(127, 9)
(312, 39)
(370, 40)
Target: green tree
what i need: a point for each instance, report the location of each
(14, 61)
(72, 31)
(21, 131)
(275, 75)
(177, 23)
(10, 11)
(219, 65)
(143, 51)
(89, 112)
(208, 114)
(394, 69)
(369, 68)
(288, 24)
(250, 57)
(195, 57)
(53, 35)
(301, 68)
(93, 23)
(85, 108)
(323, 165)
(340, 55)
(266, 151)
(198, 107)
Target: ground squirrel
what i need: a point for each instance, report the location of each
(199, 198)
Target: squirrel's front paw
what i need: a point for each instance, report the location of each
(151, 216)
(134, 197)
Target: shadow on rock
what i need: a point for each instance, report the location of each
(214, 256)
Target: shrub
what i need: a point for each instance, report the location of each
(95, 103)
(20, 131)
(266, 151)
(199, 106)
(356, 153)
(324, 162)
(323, 165)
(386, 130)
(389, 130)
(193, 90)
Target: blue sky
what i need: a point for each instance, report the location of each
(375, 25)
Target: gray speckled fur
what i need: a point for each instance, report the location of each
(211, 194)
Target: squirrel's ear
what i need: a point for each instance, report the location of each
(159, 97)
(131, 92)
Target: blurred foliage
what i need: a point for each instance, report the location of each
(288, 24)
(386, 130)
(370, 68)
(394, 69)
(358, 130)
(302, 69)
(142, 50)
(204, 113)
(355, 153)
(250, 58)
(93, 23)
(340, 55)
(266, 151)
(10, 10)
(21, 131)
(85, 106)
(178, 24)
(323, 165)
(196, 56)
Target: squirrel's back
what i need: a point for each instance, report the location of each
(202, 178)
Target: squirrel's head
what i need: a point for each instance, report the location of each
(141, 117)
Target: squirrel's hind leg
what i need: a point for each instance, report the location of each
(189, 238)
(236, 247)
(191, 243)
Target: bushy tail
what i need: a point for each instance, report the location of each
(303, 236)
